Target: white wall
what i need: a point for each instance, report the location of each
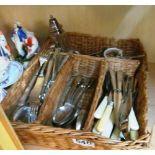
(118, 21)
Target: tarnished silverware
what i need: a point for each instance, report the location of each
(23, 104)
(66, 112)
(56, 63)
(46, 79)
(84, 105)
(54, 66)
(65, 109)
(27, 91)
(80, 119)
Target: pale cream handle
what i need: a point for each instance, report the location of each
(134, 134)
(101, 108)
(116, 134)
(109, 126)
(103, 121)
(94, 130)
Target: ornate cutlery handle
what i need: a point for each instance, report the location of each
(30, 87)
(49, 68)
(85, 83)
(75, 84)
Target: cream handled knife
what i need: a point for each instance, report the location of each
(107, 129)
(117, 134)
(101, 108)
(106, 115)
(109, 126)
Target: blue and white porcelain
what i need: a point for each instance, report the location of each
(15, 71)
(26, 43)
(4, 67)
(3, 93)
(4, 47)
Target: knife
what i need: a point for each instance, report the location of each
(105, 117)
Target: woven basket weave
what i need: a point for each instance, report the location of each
(58, 138)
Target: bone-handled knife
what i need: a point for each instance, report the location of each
(101, 108)
(105, 117)
(109, 126)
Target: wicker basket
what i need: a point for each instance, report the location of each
(58, 138)
(86, 66)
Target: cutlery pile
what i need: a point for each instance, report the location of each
(71, 110)
(30, 102)
(115, 115)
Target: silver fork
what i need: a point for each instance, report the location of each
(34, 108)
(23, 109)
(34, 102)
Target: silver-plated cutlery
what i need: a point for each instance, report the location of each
(30, 102)
(69, 111)
(23, 106)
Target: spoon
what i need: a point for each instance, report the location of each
(63, 110)
(66, 112)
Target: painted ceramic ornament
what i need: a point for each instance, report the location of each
(5, 49)
(25, 42)
(14, 72)
(31, 44)
(3, 93)
(4, 67)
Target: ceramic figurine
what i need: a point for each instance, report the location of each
(31, 45)
(25, 42)
(4, 47)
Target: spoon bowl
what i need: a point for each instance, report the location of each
(63, 114)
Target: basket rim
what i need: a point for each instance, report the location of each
(70, 133)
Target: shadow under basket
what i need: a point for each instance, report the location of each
(60, 138)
